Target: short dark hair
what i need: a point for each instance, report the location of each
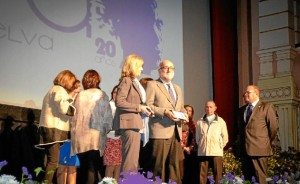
(91, 79)
(144, 81)
(112, 91)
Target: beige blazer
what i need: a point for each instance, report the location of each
(128, 99)
(257, 135)
(158, 98)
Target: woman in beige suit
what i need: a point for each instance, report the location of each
(128, 117)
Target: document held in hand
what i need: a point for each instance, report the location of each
(180, 115)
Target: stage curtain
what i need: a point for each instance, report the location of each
(224, 61)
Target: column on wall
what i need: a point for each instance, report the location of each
(277, 53)
(296, 71)
(297, 22)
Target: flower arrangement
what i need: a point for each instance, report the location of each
(108, 180)
(231, 163)
(129, 177)
(284, 167)
(132, 177)
(8, 179)
(26, 176)
(4, 179)
(230, 179)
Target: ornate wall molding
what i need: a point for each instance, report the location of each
(282, 92)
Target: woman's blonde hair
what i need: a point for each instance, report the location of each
(131, 65)
(66, 79)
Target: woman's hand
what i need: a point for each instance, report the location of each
(147, 110)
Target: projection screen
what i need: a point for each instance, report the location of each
(40, 38)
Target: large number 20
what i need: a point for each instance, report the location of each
(105, 48)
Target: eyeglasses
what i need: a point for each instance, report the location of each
(168, 68)
(248, 92)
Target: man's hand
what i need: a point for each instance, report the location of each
(171, 116)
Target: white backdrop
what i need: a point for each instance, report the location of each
(40, 38)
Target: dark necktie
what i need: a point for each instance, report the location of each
(249, 112)
(171, 94)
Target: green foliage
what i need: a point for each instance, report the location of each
(283, 161)
(231, 163)
(38, 170)
(279, 163)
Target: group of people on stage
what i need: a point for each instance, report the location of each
(145, 125)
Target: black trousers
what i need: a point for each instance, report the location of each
(255, 166)
(91, 169)
(191, 168)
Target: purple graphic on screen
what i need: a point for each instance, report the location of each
(67, 29)
(133, 21)
(134, 24)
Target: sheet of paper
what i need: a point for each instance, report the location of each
(180, 115)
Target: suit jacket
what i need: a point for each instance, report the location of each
(128, 100)
(159, 99)
(256, 136)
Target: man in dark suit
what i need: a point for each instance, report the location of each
(165, 97)
(257, 128)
